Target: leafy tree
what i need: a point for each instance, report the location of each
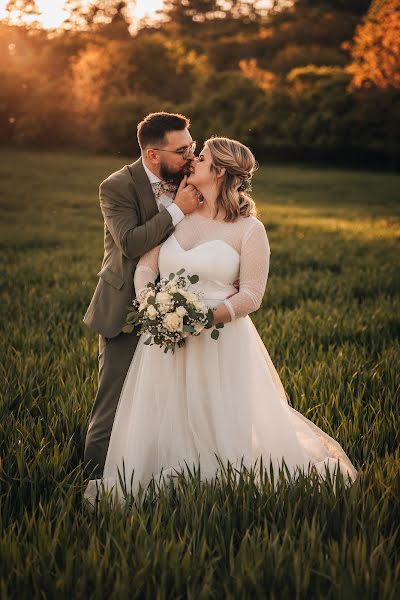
(266, 80)
(98, 72)
(23, 12)
(375, 49)
(213, 17)
(184, 13)
(118, 118)
(163, 67)
(110, 17)
(358, 7)
(292, 55)
(224, 104)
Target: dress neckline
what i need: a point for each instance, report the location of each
(198, 214)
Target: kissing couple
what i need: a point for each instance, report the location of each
(210, 402)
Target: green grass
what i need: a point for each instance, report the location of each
(330, 323)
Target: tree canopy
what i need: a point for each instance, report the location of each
(304, 77)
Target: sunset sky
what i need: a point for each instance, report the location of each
(53, 15)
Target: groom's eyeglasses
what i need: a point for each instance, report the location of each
(184, 152)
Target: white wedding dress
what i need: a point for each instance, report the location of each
(211, 397)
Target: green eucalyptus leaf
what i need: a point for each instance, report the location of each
(191, 312)
(215, 334)
(179, 298)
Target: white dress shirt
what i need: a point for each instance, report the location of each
(165, 200)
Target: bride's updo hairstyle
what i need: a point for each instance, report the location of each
(239, 164)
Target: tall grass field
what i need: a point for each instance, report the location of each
(330, 321)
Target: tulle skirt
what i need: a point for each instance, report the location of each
(212, 402)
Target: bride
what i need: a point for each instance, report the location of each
(212, 401)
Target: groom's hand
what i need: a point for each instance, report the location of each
(186, 197)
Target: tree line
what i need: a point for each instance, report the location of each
(301, 79)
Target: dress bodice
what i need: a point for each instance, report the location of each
(220, 253)
(215, 262)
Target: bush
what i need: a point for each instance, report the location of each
(116, 127)
(224, 105)
(292, 56)
(35, 112)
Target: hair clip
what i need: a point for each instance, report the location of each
(245, 186)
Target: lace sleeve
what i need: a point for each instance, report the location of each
(254, 267)
(146, 270)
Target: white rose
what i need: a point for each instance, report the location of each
(163, 298)
(173, 322)
(151, 311)
(181, 311)
(172, 288)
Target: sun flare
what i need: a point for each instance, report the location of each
(53, 14)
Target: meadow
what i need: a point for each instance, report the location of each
(330, 321)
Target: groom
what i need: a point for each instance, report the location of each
(141, 205)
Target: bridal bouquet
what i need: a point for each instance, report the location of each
(169, 312)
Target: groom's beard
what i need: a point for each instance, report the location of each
(174, 178)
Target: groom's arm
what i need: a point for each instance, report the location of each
(118, 204)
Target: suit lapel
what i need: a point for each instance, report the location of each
(143, 188)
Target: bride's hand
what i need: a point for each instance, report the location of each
(236, 284)
(221, 314)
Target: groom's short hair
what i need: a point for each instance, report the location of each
(151, 131)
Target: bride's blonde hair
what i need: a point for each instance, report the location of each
(239, 164)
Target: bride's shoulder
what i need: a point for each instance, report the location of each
(254, 234)
(252, 223)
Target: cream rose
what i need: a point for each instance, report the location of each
(151, 311)
(181, 311)
(163, 298)
(173, 322)
(172, 288)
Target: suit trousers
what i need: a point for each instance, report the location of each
(115, 356)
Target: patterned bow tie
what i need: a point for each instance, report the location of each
(163, 187)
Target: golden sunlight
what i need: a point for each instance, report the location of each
(52, 13)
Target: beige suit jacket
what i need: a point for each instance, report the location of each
(132, 226)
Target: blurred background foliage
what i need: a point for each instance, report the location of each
(302, 79)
